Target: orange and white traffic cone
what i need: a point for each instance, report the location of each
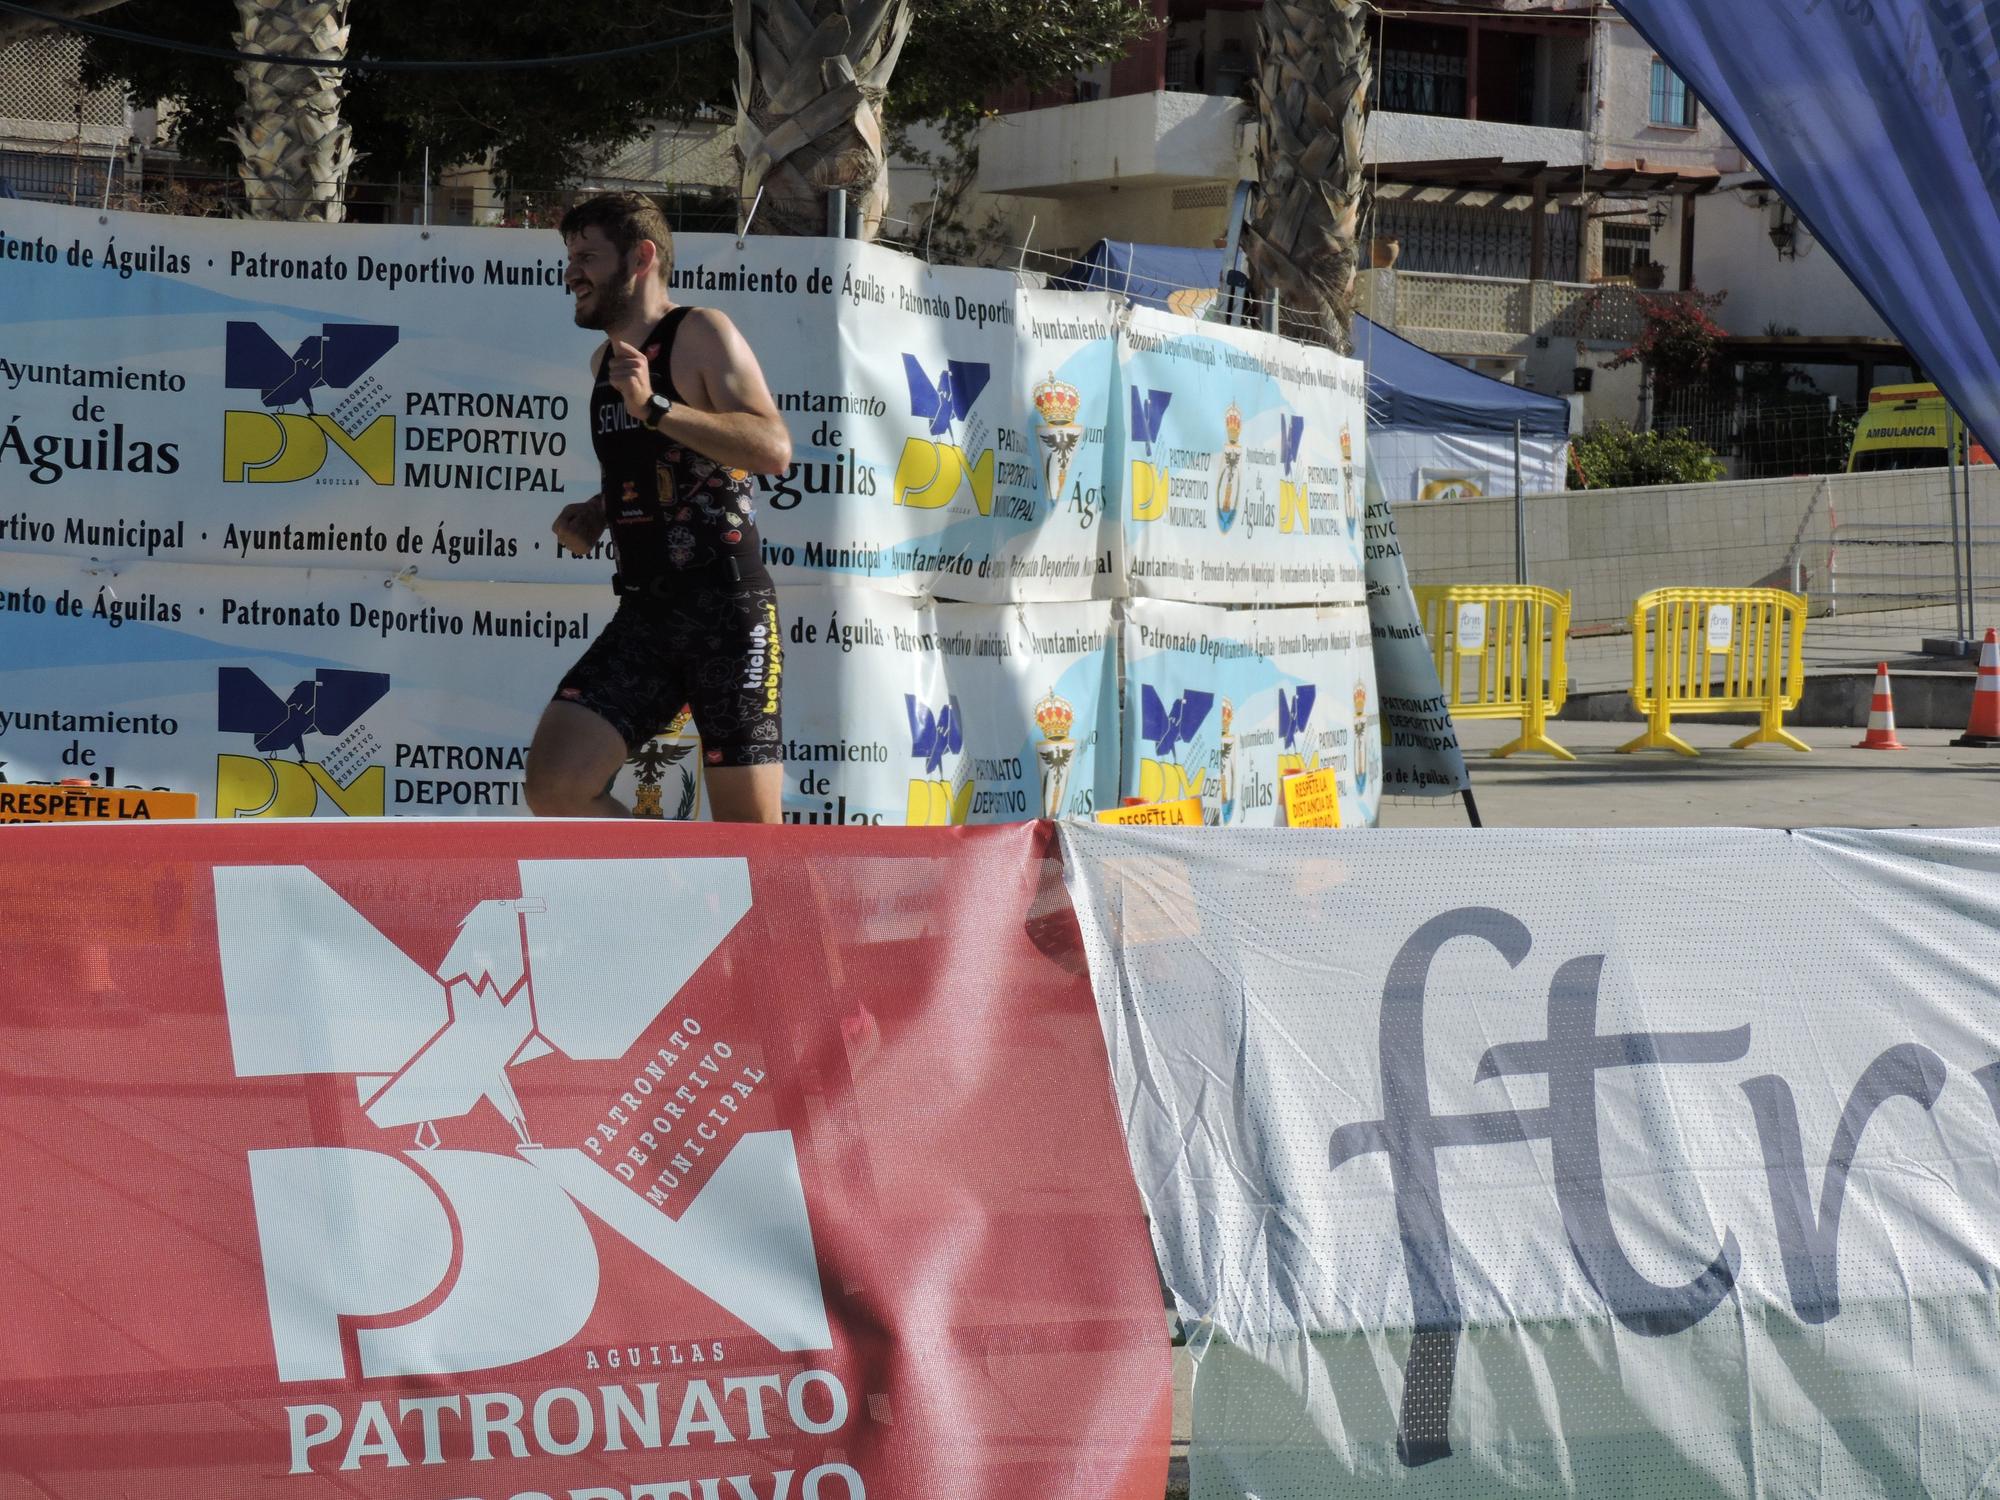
(1982, 727)
(1881, 733)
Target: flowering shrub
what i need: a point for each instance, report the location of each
(1680, 345)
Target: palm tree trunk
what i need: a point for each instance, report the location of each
(810, 76)
(1312, 98)
(296, 152)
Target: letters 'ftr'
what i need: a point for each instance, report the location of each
(1411, 1135)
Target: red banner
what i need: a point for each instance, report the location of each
(562, 1162)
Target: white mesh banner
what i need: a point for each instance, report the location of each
(1646, 1163)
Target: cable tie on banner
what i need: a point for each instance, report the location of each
(402, 577)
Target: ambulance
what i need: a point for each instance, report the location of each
(1904, 428)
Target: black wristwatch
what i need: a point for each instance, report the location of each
(657, 406)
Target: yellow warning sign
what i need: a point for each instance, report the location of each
(1312, 799)
(91, 804)
(1186, 813)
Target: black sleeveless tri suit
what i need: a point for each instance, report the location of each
(697, 620)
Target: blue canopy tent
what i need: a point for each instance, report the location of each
(1435, 429)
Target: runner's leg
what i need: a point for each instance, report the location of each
(736, 634)
(746, 794)
(572, 763)
(621, 692)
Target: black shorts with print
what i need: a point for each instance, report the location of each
(712, 649)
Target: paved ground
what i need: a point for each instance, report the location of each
(1928, 786)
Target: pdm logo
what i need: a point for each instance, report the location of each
(328, 706)
(1294, 500)
(1168, 774)
(1150, 481)
(935, 469)
(403, 1257)
(936, 799)
(276, 446)
(1294, 714)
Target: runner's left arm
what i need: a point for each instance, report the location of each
(731, 417)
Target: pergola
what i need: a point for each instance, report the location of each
(1492, 181)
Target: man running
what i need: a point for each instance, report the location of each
(680, 418)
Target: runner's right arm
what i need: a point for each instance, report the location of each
(578, 526)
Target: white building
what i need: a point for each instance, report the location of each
(1531, 160)
(59, 142)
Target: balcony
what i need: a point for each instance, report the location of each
(1493, 308)
(1394, 138)
(1135, 140)
(1535, 329)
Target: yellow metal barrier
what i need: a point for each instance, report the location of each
(1501, 652)
(1717, 651)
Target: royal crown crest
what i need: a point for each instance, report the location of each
(1232, 421)
(1360, 700)
(1228, 716)
(1055, 716)
(1346, 445)
(1057, 401)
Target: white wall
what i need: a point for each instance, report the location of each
(698, 154)
(1614, 394)
(1396, 137)
(1733, 253)
(1625, 124)
(1147, 214)
(1188, 137)
(1606, 547)
(1153, 168)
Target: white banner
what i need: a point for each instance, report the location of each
(199, 390)
(223, 391)
(901, 712)
(1475, 1168)
(373, 421)
(1240, 457)
(277, 692)
(977, 469)
(291, 693)
(1420, 752)
(1221, 704)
